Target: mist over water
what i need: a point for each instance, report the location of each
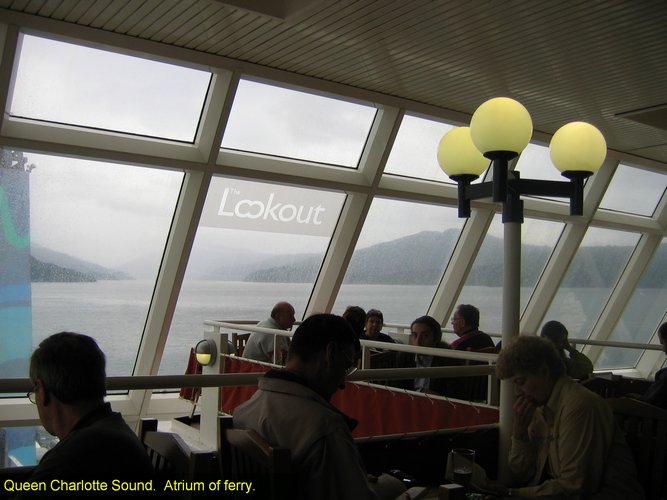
(114, 312)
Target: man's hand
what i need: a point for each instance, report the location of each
(524, 409)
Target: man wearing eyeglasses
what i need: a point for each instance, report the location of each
(96, 446)
(291, 409)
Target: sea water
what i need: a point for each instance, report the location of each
(114, 312)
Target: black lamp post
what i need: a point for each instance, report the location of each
(499, 130)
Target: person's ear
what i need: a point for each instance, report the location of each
(330, 353)
(42, 393)
(544, 372)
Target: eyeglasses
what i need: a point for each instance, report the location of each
(31, 396)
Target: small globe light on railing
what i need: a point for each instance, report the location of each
(501, 127)
(206, 352)
(578, 147)
(457, 155)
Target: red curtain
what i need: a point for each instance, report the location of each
(379, 410)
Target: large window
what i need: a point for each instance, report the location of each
(399, 259)
(484, 286)
(256, 244)
(280, 122)
(590, 279)
(646, 187)
(414, 153)
(81, 249)
(642, 315)
(535, 163)
(70, 84)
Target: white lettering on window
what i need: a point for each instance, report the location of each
(269, 210)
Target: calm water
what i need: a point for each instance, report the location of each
(114, 312)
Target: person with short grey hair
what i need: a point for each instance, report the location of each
(68, 375)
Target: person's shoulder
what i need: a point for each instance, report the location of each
(575, 395)
(268, 323)
(484, 335)
(386, 338)
(110, 431)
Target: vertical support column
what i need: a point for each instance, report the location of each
(210, 396)
(511, 313)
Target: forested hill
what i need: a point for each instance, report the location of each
(47, 272)
(420, 259)
(50, 266)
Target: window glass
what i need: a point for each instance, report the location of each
(590, 279)
(414, 153)
(24, 446)
(484, 285)
(641, 316)
(70, 84)
(257, 244)
(634, 190)
(80, 247)
(280, 122)
(535, 163)
(399, 259)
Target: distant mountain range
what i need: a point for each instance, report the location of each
(50, 266)
(420, 259)
(414, 259)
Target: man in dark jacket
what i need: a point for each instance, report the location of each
(98, 454)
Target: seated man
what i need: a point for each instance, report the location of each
(465, 323)
(565, 441)
(291, 409)
(425, 331)
(68, 373)
(577, 364)
(260, 345)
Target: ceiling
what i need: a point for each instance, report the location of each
(601, 61)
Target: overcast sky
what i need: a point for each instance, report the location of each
(110, 214)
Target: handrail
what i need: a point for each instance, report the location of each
(247, 325)
(387, 346)
(141, 382)
(605, 343)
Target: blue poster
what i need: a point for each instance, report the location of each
(15, 292)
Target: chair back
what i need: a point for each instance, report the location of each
(615, 386)
(239, 340)
(174, 460)
(246, 457)
(645, 428)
